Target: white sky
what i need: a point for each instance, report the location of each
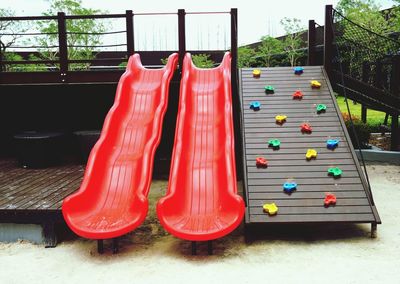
(256, 18)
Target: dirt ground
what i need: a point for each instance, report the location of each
(280, 254)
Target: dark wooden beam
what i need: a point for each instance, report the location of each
(311, 43)
(62, 46)
(181, 36)
(328, 40)
(130, 40)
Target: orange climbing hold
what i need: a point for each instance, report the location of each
(330, 199)
(306, 128)
(298, 95)
(261, 162)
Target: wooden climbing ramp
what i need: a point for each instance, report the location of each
(288, 164)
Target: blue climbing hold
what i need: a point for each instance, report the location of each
(332, 143)
(255, 106)
(298, 70)
(289, 187)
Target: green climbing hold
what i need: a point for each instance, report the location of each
(336, 172)
(321, 108)
(269, 89)
(275, 143)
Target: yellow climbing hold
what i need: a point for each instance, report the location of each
(311, 153)
(256, 73)
(280, 118)
(315, 84)
(270, 208)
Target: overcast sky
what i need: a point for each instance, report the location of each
(256, 18)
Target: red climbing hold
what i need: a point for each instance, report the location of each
(261, 162)
(330, 199)
(306, 128)
(298, 95)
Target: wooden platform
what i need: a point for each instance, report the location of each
(34, 192)
(306, 204)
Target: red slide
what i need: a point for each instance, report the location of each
(202, 203)
(112, 199)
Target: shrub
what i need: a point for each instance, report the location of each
(362, 130)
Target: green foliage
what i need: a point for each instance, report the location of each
(202, 61)
(11, 28)
(75, 28)
(293, 41)
(267, 51)
(246, 57)
(11, 56)
(362, 130)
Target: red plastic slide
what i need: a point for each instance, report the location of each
(202, 203)
(112, 199)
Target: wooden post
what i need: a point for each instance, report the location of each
(365, 79)
(181, 36)
(395, 89)
(235, 93)
(328, 40)
(130, 40)
(311, 43)
(62, 46)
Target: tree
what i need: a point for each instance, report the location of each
(269, 48)
(293, 41)
(246, 57)
(82, 34)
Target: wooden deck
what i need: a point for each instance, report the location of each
(306, 204)
(36, 190)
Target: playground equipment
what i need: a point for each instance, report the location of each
(332, 144)
(311, 154)
(261, 162)
(270, 208)
(255, 106)
(269, 90)
(289, 187)
(330, 199)
(321, 108)
(280, 119)
(306, 128)
(298, 70)
(256, 73)
(112, 199)
(298, 95)
(274, 143)
(202, 203)
(335, 172)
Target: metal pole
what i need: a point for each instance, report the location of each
(311, 43)
(62, 46)
(182, 36)
(130, 41)
(328, 40)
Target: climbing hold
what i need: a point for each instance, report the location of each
(335, 172)
(321, 108)
(315, 84)
(311, 154)
(306, 128)
(256, 73)
(274, 143)
(289, 187)
(270, 208)
(280, 119)
(255, 105)
(298, 95)
(332, 143)
(298, 70)
(261, 162)
(330, 199)
(269, 89)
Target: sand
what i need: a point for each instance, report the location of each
(282, 254)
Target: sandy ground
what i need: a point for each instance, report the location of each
(282, 254)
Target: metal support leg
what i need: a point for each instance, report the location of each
(374, 230)
(209, 247)
(100, 246)
(194, 248)
(115, 248)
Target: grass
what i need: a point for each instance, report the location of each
(373, 117)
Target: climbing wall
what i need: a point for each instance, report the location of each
(299, 164)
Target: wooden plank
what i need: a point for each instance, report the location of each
(312, 218)
(274, 155)
(289, 169)
(293, 128)
(290, 123)
(304, 115)
(308, 202)
(305, 195)
(299, 145)
(296, 175)
(306, 188)
(301, 150)
(302, 163)
(301, 210)
(292, 140)
(306, 181)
